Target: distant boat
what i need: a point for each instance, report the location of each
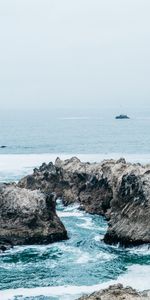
(122, 117)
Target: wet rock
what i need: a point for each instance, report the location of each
(5, 245)
(3, 146)
(28, 217)
(118, 292)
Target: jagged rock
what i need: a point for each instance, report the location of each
(73, 181)
(117, 292)
(116, 189)
(130, 209)
(28, 217)
(5, 245)
(45, 178)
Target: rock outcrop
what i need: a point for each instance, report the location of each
(116, 189)
(28, 217)
(117, 292)
(73, 181)
(130, 209)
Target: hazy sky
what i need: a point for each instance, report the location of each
(74, 53)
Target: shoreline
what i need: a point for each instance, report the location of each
(121, 279)
(115, 189)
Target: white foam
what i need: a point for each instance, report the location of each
(137, 277)
(141, 250)
(72, 207)
(50, 291)
(87, 224)
(100, 257)
(98, 238)
(83, 258)
(67, 214)
(71, 249)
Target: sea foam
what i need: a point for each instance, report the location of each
(137, 276)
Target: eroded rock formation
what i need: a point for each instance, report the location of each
(28, 217)
(73, 181)
(116, 189)
(130, 208)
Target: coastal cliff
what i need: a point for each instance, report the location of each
(118, 190)
(28, 217)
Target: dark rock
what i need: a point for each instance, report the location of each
(28, 217)
(2, 147)
(130, 210)
(5, 245)
(122, 117)
(74, 182)
(115, 189)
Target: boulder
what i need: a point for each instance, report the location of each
(28, 217)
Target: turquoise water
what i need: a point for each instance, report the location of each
(82, 264)
(67, 269)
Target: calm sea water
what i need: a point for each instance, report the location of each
(71, 132)
(84, 263)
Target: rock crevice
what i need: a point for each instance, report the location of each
(118, 190)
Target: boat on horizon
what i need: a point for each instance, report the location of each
(122, 117)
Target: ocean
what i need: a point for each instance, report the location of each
(82, 264)
(73, 132)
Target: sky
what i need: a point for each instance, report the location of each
(74, 53)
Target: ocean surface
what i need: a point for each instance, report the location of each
(82, 264)
(73, 131)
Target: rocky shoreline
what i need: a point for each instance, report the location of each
(118, 292)
(118, 190)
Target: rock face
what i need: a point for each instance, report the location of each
(116, 189)
(117, 292)
(28, 217)
(130, 209)
(73, 181)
